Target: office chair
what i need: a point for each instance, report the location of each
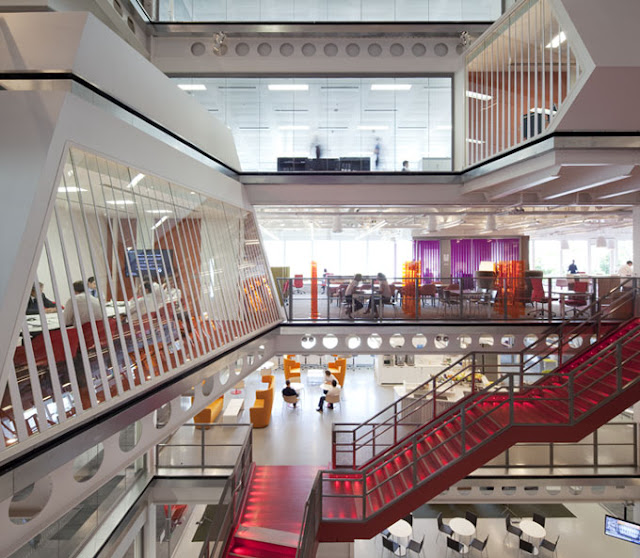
(443, 527)
(539, 519)
(548, 545)
(512, 528)
(390, 545)
(455, 545)
(479, 545)
(415, 546)
(527, 546)
(409, 519)
(472, 517)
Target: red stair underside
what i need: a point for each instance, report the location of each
(275, 500)
(542, 409)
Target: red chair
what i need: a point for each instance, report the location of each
(538, 296)
(298, 284)
(39, 348)
(580, 298)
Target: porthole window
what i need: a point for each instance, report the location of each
(330, 341)
(238, 367)
(576, 342)
(130, 436)
(30, 501)
(163, 415)
(374, 341)
(353, 342)
(486, 340)
(308, 341)
(530, 339)
(207, 386)
(397, 340)
(509, 490)
(508, 341)
(88, 463)
(552, 340)
(553, 490)
(419, 341)
(464, 341)
(224, 376)
(441, 341)
(250, 360)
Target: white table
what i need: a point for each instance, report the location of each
(315, 374)
(297, 386)
(534, 531)
(401, 530)
(234, 408)
(462, 527)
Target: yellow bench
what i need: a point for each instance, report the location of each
(209, 414)
(260, 413)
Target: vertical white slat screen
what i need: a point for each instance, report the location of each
(517, 77)
(178, 276)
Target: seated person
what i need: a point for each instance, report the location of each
(353, 304)
(82, 302)
(383, 295)
(334, 391)
(32, 304)
(329, 378)
(144, 303)
(288, 391)
(93, 287)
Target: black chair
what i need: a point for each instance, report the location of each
(415, 546)
(455, 545)
(548, 545)
(443, 527)
(470, 516)
(539, 519)
(390, 545)
(409, 519)
(478, 544)
(512, 528)
(386, 533)
(527, 546)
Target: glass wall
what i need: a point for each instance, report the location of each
(333, 124)
(137, 278)
(327, 10)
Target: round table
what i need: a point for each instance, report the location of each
(534, 531)
(462, 527)
(297, 386)
(401, 530)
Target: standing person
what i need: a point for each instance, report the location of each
(626, 270)
(353, 304)
(32, 304)
(377, 149)
(573, 268)
(324, 280)
(405, 166)
(334, 391)
(82, 303)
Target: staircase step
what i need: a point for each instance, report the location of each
(256, 549)
(263, 534)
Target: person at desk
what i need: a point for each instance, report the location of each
(93, 287)
(383, 295)
(32, 304)
(626, 270)
(334, 391)
(353, 304)
(144, 303)
(288, 391)
(329, 378)
(82, 302)
(573, 268)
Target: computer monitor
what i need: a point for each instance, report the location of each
(150, 263)
(622, 529)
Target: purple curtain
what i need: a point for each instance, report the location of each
(427, 252)
(467, 253)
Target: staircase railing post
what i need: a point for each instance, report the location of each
(571, 397)
(395, 422)
(463, 416)
(364, 495)
(511, 400)
(549, 299)
(595, 448)
(353, 449)
(619, 366)
(415, 461)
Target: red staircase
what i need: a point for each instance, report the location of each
(563, 406)
(272, 516)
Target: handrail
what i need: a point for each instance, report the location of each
(373, 426)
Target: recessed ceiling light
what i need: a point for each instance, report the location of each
(293, 127)
(557, 40)
(288, 87)
(373, 127)
(159, 211)
(192, 86)
(390, 86)
(120, 202)
(70, 189)
(479, 96)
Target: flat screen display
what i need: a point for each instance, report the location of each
(621, 529)
(151, 263)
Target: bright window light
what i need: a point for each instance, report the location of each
(159, 211)
(162, 220)
(192, 86)
(373, 127)
(288, 87)
(120, 202)
(293, 127)
(479, 96)
(469, 140)
(137, 178)
(557, 40)
(390, 86)
(70, 189)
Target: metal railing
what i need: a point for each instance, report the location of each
(452, 298)
(352, 491)
(229, 505)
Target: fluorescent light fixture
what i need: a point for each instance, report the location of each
(587, 187)
(390, 86)
(134, 182)
(470, 140)
(120, 202)
(622, 193)
(192, 86)
(159, 211)
(70, 189)
(293, 127)
(451, 224)
(160, 221)
(371, 229)
(479, 96)
(288, 87)
(557, 40)
(373, 127)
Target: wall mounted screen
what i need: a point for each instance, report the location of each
(622, 529)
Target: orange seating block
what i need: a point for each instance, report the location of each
(339, 369)
(291, 370)
(260, 413)
(209, 414)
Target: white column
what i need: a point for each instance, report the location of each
(149, 531)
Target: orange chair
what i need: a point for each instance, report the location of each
(260, 413)
(209, 414)
(338, 369)
(291, 370)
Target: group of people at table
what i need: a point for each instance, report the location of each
(330, 390)
(354, 298)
